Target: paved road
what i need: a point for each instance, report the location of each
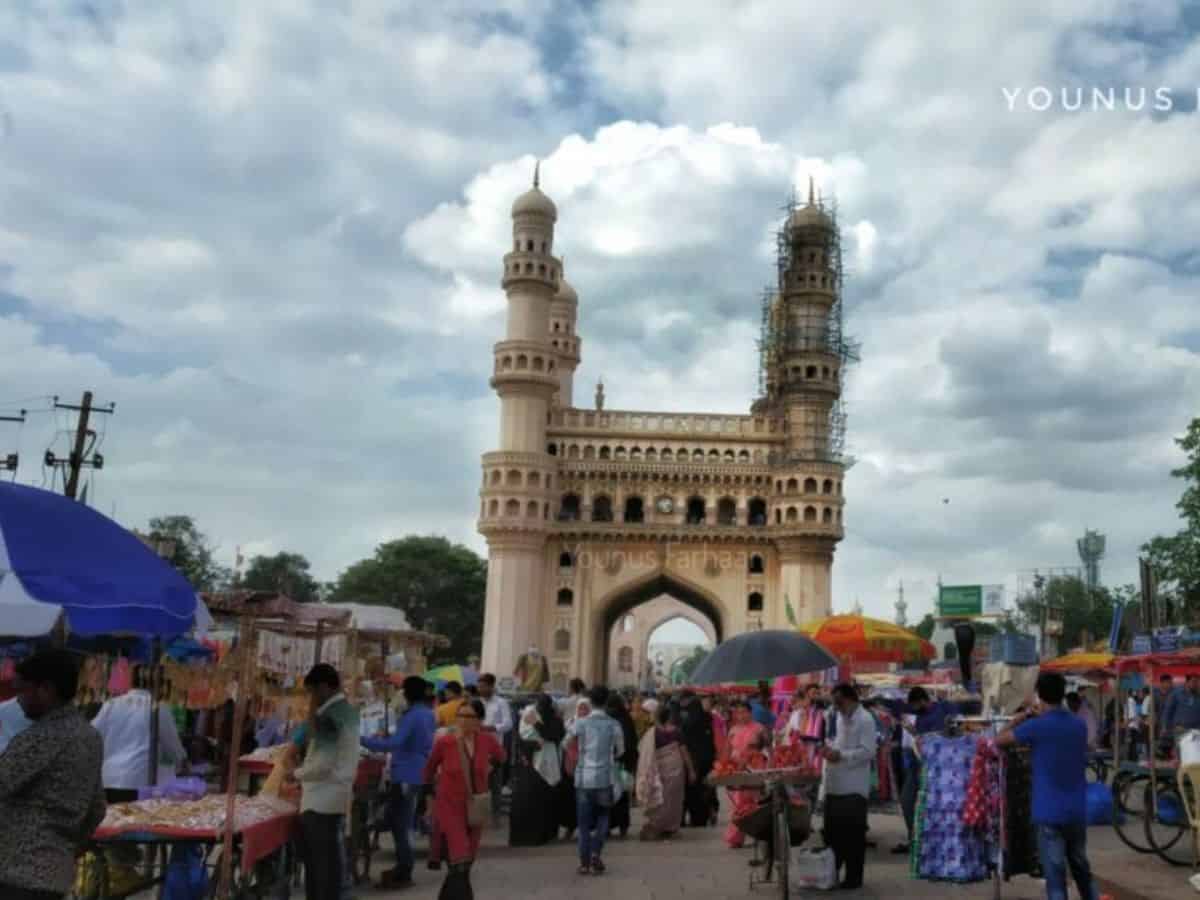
(698, 866)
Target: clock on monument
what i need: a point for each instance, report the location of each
(665, 505)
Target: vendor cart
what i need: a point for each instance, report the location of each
(1152, 799)
(262, 856)
(777, 825)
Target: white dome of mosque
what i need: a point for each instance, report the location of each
(811, 214)
(808, 216)
(534, 202)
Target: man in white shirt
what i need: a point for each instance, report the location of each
(124, 724)
(847, 781)
(497, 719)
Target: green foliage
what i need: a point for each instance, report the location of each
(1176, 559)
(190, 551)
(440, 586)
(925, 627)
(287, 573)
(1080, 611)
(682, 671)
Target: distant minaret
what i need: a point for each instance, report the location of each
(858, 610)
(600, 394)
(901, 608)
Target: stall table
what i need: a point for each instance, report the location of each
(263, 826)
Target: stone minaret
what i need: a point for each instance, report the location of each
(564, 340)
(518, 478)
(804, 382)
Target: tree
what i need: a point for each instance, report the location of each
(1176, 559)
(188, 550)
(681, 672)
(1070, 594)
(925, 627)
(440, 586)
(287, 573)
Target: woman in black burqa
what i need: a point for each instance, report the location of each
(538, 778)
(697, 728)
(618, 818)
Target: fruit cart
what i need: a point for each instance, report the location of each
(778, 824)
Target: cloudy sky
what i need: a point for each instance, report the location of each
(271, 232)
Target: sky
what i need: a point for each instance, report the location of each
(272, 233)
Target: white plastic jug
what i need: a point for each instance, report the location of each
(812, 870)
(1189, 748)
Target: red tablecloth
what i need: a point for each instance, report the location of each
(259, 838)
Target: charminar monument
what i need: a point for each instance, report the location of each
(589, 512)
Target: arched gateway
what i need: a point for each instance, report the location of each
(589, 513)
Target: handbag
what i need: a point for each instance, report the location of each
(479, 806)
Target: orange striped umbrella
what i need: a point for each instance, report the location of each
(862, 639)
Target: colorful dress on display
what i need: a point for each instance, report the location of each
(946, 849)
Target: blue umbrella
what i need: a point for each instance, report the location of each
(61, 558)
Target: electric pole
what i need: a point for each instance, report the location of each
(8, 462)
(81, 454)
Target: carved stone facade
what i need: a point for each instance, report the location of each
(589, 513)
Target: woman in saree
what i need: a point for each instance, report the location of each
(746, 737)
(663, 772)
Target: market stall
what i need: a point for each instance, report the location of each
(190, 830)
(1151, 797)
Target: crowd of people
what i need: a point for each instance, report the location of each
(571, 767)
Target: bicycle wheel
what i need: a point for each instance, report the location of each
(783, 842)
(1130, 793)
(1165, 829)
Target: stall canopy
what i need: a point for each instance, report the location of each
(1081, 663)
(863, 639)
(62, 559)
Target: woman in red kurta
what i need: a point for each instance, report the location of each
(445, 770)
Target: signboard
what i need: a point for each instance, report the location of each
(967, 601)
(1141, 644)
(1165, 640)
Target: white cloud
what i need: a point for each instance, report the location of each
(273, 233)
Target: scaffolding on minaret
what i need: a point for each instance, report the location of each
(821, 332)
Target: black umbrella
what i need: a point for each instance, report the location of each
(762, 656)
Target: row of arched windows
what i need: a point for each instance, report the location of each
(696, 511)
(517, 478)
(655, 454)
(754, 565)
(792, 486)
(826, 515)
(514, 509)
(517, 268)
(520, 362)
(812, 373)
(529, 245)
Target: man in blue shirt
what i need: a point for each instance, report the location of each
(601, 742)
(1182, 709)
(930, 717)
(760, 707)
(410, 745)
(1059, 742)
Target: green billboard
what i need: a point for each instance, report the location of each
(963, 600)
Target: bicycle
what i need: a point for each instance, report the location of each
(1142, 824)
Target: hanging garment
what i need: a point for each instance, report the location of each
(1021, 851)
(946, 849)
(984, 791)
